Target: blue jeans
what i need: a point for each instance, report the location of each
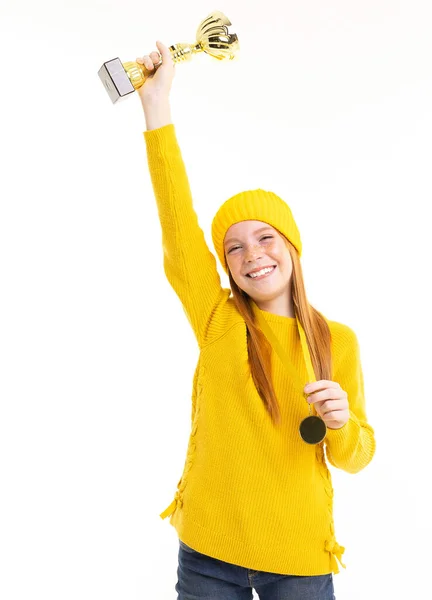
(201, 577)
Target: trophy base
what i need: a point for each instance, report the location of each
(115, 79)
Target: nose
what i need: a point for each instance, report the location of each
(252, 252)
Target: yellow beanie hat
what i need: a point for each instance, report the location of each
(254, 205)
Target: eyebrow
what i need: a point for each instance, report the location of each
(229, 240)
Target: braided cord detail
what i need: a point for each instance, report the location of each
(192, 443)
(330, 545)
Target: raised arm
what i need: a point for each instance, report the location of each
(189, 265)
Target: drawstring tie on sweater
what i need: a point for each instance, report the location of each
(336, 551)
(172, 507)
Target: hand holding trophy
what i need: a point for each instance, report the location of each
(160, 69)
(212, 37)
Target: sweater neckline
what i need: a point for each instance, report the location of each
(279, 319)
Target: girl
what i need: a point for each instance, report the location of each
(253, 508)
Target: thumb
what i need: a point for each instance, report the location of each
(165, 53)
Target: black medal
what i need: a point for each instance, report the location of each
(313, 429)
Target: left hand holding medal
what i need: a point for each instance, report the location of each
(331, 402)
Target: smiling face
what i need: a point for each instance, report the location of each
(252, 245)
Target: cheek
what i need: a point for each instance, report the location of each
(283, 258)
(232, 261)
(231, 265)
(235, 266)
(277, 252)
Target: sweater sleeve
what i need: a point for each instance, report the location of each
(351, 447)
(189, 265)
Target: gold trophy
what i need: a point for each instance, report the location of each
(212, 37)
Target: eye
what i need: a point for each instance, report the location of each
(263, 238)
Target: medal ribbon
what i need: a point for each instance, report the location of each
(284, 358)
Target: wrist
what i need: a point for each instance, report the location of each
(157, 113)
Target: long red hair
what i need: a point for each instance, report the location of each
(259, 349)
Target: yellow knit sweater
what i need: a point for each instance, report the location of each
(251, 493)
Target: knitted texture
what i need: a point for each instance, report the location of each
(251, 493)
(254, 205)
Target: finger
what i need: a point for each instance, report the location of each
(331, 406)
(320, 385)
(147, 62)
(156, 58)
(336, 415)
(328, 394)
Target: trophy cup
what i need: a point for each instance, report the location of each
(212, 37)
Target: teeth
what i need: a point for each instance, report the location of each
(259, 273)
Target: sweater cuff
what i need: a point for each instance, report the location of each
(337, 439)
(162, 138)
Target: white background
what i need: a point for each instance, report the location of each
(329, 106)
